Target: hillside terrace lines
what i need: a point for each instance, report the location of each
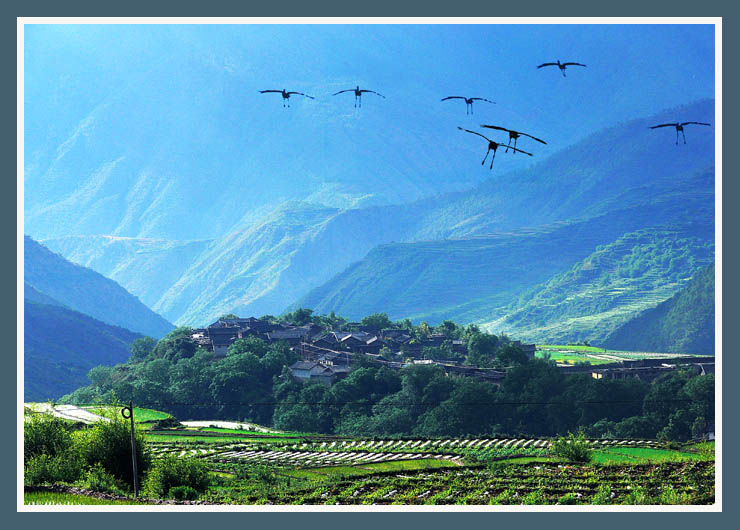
(380, 451)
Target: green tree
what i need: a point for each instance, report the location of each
(510, 355)
(423, 331)
(448, 328)
(481, 349)
(251, 344)
(142, 348)
(299, 317)
(377, 320)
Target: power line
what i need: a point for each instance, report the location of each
(361, 402)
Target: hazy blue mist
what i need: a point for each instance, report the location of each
(129, 129)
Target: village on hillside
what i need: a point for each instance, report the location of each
(326, 356)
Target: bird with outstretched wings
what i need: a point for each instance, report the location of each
(679, 127)
(492, 146)
(468, 102)
(514, 133)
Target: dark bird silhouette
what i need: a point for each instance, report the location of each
(492, 146)
(513, 135)
(286, 95)
(679, 127)
(358, 94)
(561, 65)
(468, 102)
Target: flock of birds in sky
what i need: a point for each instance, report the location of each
(492, 145)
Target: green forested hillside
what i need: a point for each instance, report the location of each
(88, 292)
(476, 279)
(62, 345)
(609, 287)
(684, 323)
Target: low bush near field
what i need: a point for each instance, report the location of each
(98, 456)
(573, 448)
(183, 493)
(171, 472)
(45, 469)
(43, 434)
(98, 479)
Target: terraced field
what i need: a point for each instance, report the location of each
(260, 466)
(530, 483)
(342, 452)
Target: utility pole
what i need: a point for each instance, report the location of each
(128, 413)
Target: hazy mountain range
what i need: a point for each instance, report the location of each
(52, 280)
(466, 255)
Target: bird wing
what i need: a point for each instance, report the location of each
(452, 97)
(265, 91)
(373, 92)
(695, 123)
(496, 127)
(515, 149)
(473, 132)
(573, 64)
(547, 64)
(532, 137)
(348, 90)
(301, 94)
(664, 125)
(482, 99)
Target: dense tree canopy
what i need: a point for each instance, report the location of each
(252, 382)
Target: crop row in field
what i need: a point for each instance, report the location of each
(532, 483)
(307, 458)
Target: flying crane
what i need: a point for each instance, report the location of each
(513, 135)
(679, 127)
(560, 65)
(468, 102)
(492, 146)
(286, 95)
(358, 94)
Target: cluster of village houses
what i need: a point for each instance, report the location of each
(326, 355)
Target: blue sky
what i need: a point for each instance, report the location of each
(181, 102)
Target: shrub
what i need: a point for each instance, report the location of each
(573, 448)
(97, 479)
(183, 493)
(44, 434)
(108, 444)
(46, 469)
(173, 471)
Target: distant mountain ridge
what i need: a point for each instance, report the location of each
(83, 290)
(61, 345)
(271, 262)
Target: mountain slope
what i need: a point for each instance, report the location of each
(682, 324)
(87, 291)
(144, 267)
(268, 261)
(62, 345)
(473, 279)
(610, 286)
